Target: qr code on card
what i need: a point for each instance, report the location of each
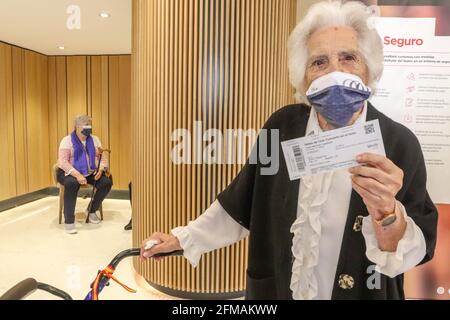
(369, 128)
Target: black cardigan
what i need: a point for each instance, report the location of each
(267, 206)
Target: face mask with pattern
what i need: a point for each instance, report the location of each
(337, 96)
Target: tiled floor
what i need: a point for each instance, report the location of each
(33, 244)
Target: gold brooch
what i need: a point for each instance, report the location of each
(346, 282)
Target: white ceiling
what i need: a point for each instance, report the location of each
(40, 25)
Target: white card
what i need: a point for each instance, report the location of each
(331, 150)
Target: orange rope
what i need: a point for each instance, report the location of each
(107, 272)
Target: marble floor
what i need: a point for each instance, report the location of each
(33, 244)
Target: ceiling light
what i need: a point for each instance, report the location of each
(61, 48)
(104, 15)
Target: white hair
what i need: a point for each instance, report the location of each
(81, 120)
(329, 13)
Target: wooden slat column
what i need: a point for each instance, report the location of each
(221, 63)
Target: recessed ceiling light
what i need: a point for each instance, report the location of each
(104, 15)
(61, 48)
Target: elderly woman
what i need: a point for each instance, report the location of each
(79, 165)
(346, 234)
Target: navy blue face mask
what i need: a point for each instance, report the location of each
(337, 96)
(87, 131)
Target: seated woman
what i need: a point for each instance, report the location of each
(79, 165)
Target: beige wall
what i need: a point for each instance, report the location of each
(39, 95)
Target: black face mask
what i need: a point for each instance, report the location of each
(87, 131)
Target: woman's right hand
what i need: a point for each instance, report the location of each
(166, 243)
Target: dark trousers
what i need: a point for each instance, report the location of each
(71, 187)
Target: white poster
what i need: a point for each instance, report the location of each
(415, 91)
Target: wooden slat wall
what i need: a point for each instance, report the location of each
(77, 88)
(120, 117)
(100, 97)
(20, 122)
(219, 62)
(23, 121)
(36, 110)
(40, 95)
(7, 167)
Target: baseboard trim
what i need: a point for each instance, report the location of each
(23, 199)
(198, 296)
(54, 191)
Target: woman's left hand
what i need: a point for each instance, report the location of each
(99, 174)
(377, 181)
